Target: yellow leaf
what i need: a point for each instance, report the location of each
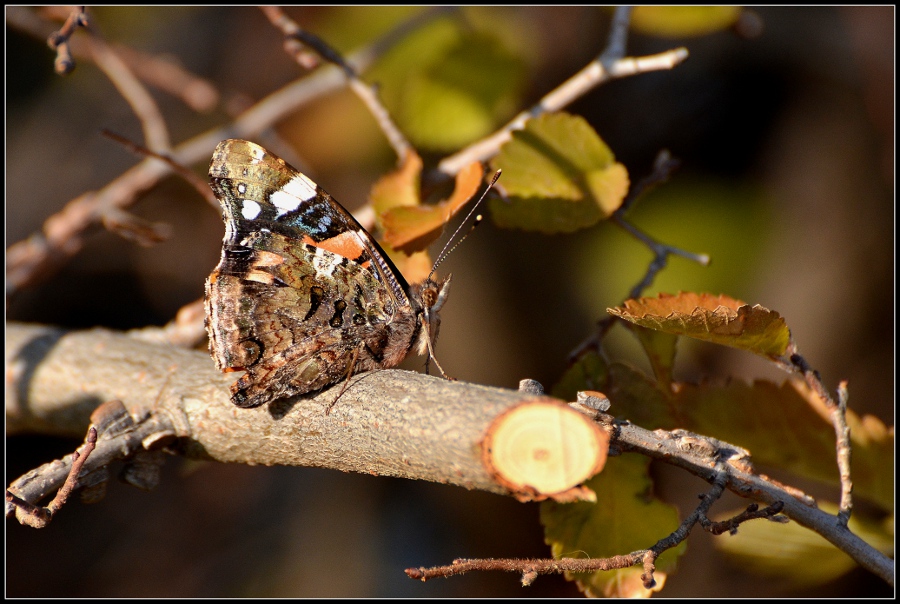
(795, 553)
(624, 519)
(680, 21)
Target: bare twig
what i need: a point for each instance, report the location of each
(618, 34)
(158, 71)
(156, 133)
(200, 185)
(134, 228)
(793, 362)
(121, 437)
(662, 170)
(661, 253)
(63, 234)
(742, 481)
(751, 513)
(59, 40)
(607, 66)
(39, 517)
(530, 569)
(663, 167)
(843, 451)
(168, 76)
(366, 93)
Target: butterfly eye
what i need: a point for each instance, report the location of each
(429, 296)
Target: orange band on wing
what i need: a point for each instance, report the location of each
(347, 245)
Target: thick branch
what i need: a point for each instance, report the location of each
(393, 423)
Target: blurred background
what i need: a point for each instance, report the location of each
(786, 140)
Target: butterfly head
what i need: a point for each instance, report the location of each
(431, 294)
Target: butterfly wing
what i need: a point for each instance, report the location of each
(302, 295)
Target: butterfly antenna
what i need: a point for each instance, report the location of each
(446, 252)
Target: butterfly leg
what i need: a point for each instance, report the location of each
(350, 367)
(431, 357)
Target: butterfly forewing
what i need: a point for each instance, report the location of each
(302, 295)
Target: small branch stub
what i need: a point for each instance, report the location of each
(544, 449)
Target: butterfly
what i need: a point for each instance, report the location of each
(303, 297)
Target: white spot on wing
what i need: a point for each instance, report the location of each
(250, 209)
(325, 262)
(295, 192)
(284, 201)
(301, 187)
(256, 153)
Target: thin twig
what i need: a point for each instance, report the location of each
(366, 93)
(39, 517)
(744, 482)
(618, 34)
(751, 513)
(200, 185)
(839, 417)
(63, 233)
(794, 362)
(661, 252)
(531, 568)
(134, 228)
(59, 40)
(168, 76)
(607, 66)
(153, 125)
(159, 71)
(663, 167)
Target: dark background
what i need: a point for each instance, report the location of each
(786, 142)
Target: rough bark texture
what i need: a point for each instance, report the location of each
(394, 423)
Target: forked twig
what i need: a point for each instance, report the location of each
(294, 33)
(38, 517)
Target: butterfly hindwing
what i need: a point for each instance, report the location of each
(302, 296)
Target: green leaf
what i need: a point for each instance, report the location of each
(682, 21)
(559, 176)
(794, 553)
(660, 348)
(639, 399)
(787, 426)
(447, 87)
(587, 373)
(624, 519)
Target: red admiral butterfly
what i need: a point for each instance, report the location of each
(303, 296)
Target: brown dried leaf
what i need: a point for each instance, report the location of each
(398, 188)
(718, 319)
(411, 228)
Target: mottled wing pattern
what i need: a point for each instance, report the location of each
(302, 295)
